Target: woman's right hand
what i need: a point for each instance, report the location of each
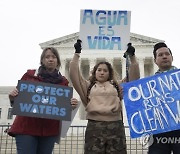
(13, 94)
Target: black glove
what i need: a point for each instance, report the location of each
(130, 50)
(77, 46)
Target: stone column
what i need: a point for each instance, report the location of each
(92, 63)
(141, 67)
(63, 67)
(123, 61)
(155, 68)
(110, 60)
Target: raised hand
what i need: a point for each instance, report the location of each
(130, 50)
(77, 46)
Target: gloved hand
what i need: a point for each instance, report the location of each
(130, 50)
(77, 46)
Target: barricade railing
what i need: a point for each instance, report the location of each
(73, 143)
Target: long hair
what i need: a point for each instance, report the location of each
(112, 79)
(55, 52)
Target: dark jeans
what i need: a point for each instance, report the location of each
(27, 144)
(161, 145)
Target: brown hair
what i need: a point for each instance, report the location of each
(55, 52)
(111, 78)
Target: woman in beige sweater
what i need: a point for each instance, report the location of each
(101, 96)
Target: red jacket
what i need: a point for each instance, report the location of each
(35, 126)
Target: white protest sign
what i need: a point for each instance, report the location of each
(105, 30)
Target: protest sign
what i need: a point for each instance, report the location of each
(152, 104)
(105, 30)
(43, 100)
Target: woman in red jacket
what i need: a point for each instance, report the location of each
(38, 135)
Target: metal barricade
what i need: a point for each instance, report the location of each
(73, 143)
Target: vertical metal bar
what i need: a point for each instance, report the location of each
(127, 67)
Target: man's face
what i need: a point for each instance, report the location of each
(163, 59)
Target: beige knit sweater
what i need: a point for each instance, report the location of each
(104, 104)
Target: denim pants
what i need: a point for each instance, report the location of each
(27, 144)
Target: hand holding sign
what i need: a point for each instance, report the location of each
(130, 50)
(74, 103)
(13, 94)
(77, 46)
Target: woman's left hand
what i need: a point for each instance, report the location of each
(74, 103)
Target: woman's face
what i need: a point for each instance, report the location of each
(102, 73)
(50, 61)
